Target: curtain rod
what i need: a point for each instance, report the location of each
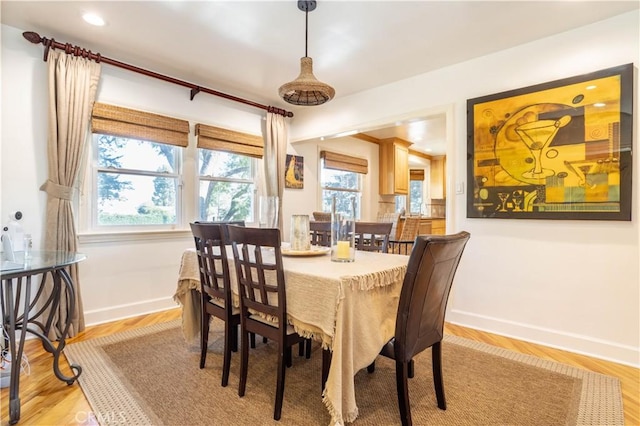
(195, 89)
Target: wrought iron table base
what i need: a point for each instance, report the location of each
(14, 320)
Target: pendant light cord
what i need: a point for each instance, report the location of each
(306, 31)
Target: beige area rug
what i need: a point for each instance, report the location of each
(150, 376)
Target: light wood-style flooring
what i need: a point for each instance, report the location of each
(48, 401)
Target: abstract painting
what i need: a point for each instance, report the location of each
(557, 150)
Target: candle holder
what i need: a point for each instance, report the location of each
(343, 227)
(300, 232)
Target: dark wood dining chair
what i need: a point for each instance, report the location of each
(320, 233)
(215, 290)
(420, 319)
(263, 301)
(373, 236)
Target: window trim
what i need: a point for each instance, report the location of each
(93, 227)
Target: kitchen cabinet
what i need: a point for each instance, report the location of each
(437, 178)
(438, 227)
(394, 166)
(438, 181)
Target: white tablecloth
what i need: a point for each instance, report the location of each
(349, 307)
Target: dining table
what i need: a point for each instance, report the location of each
(349, 307)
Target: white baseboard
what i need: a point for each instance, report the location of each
(585, 345)
(114, 313)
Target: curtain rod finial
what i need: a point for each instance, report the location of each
(32, 37)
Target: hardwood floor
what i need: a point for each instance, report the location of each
(47, 401)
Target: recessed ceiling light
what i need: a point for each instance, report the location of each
(591, 87)
(599, 104)
(93, 19)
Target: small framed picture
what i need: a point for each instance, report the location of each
(294, 172)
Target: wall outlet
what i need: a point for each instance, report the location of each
(460, 188)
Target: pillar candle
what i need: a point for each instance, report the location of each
(343, 250)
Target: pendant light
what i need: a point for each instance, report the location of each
(306, 89)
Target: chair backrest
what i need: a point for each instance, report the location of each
(260, 279)
(224, 228)
(322, 216)
(425, 291)
(410, 229)
(213, 263)
(373, 236)
(320, 233)
(392, 217)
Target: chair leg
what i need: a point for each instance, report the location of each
(326, 363)
(288, 357)
(411, 371)
(229, 337)
(234, 338)
(264, 340)
(252, 337)
(308, 349)
(436, 361)
(301, 348)
(204, 336)
(402, 386)
(277, 412)
(371, 367)
(244, 361)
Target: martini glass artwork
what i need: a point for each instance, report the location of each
(517, 196)
(537, 135)
(503, 196)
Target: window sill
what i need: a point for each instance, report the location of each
(124, 236)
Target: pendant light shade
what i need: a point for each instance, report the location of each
(306, 89)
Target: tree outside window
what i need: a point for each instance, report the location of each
(227, 187)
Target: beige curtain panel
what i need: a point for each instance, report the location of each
(275, 152)
(220, 139)
(73, 82)
(333, 160)
(416, 174)
(130, 123)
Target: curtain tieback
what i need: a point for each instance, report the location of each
(57, 190)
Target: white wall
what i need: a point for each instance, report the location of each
(569, 284)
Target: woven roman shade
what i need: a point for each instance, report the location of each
(219, 139)
(416, 174)
(130, 123)
(333, 160)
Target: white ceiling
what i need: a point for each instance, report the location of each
(250, 48)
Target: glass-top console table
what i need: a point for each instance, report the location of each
(28, 308)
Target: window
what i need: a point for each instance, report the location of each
(137, 182)
(136, 167)
(226, 166)
(341, 178)
(416, 190)
(415, 196)
(226, 186)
